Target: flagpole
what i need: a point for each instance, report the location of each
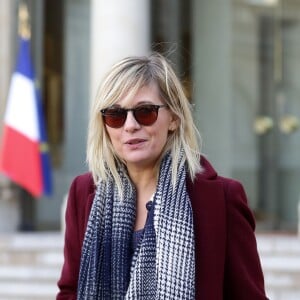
(27, 202)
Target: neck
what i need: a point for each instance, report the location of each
(143, 180)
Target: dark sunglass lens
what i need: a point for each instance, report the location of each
(114, 117)
(146, 114)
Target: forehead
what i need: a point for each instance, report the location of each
(146, 93)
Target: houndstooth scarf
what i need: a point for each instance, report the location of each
(163, 264)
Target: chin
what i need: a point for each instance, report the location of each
(141, 161)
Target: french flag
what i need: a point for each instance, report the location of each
(24, 156)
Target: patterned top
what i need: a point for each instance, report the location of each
(136, 238)
(138, 234)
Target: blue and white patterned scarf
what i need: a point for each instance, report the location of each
(163, 264)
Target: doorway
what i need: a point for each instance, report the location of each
(266, 88)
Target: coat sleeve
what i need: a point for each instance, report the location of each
(243, 278)
(68, 281)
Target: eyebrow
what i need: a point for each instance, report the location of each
(143, 102)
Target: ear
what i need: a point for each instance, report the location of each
(174, 123)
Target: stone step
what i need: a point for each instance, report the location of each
(30, 265)
(279, 254)
(28, 273)
(33, 258)
(32, 249)
(280, 258)
(27, 291)
(282, 263)
(36, 241)
(272, 244)
(282, 280)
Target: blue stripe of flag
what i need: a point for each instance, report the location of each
(44, 151)
(24, 65)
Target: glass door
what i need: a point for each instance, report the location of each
(266, 88)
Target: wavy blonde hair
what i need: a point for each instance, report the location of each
(126, 78)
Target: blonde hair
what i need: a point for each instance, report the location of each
(127, 77)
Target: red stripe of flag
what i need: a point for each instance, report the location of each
(20, 160)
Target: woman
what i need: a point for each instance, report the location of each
(152, 219)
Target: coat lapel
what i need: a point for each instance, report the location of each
(208, 203)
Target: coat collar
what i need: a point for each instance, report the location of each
(208, 172)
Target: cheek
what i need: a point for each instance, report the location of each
(113, 136)
(162, 136)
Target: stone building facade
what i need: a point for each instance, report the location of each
(239, 60)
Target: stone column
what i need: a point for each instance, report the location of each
(9, 205)
(118, 28)
(212, 76)
(7, 29)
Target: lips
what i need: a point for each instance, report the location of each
(135, 141)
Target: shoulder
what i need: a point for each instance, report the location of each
(83, 183)
(209, 176)
(85, 178)
(80, 198)
(82, 191)
(209, 173)
(231, 191)
(211, 187)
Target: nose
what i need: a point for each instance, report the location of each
(131, 123)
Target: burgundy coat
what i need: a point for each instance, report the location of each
(227, 261)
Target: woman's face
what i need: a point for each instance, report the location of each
(138, 145)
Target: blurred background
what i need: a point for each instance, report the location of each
(239, 61)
